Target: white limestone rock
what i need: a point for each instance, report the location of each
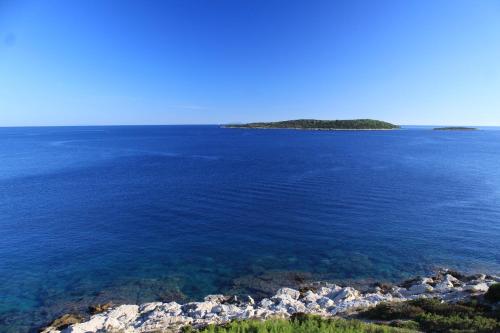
(325, 302)
(346, 294)
(161, 321)
(198, 310)
(288, 292)
(147, 307)
(427, 280)
(375, 298)
(313, 307)
(330, 291)
(262, 313)
(250, 300)
(480, 287)
(418, 289)
(218, 298)
(447, 284)
(117, 319)
(121, 317)
(290, 306)
(310, 297)
(95, 324)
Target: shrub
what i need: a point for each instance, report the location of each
(438, 307)
(493, 294)
(436, 323)
(408, 324)
(390, 311)
(432, 315)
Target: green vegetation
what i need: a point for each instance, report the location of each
(432, 315)
(493, 294)
(300, 324)
(455, 129)
(355, 124)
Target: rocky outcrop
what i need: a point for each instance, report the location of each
(324, 299)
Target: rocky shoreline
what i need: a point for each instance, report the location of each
(320, 298)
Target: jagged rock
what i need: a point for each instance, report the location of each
(157, 315)
(446, 284)
(323, 291)
(292, 293)
(158, 319)
(198, 310)
(313, 307)
(399, 292)
(147, 307)
(331, 291)
(294, 307)
(262, 313)
(480, 287)
(427, 280)
(346, 294)
(455, 274)
(418, 289)
(383, 288)
(325, 302)
(215, 298)
(95, 324)
(266, 303)
(310, 297)
(117, 319)
(250, 300)
(375, 298)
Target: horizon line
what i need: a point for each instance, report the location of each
(209, 124)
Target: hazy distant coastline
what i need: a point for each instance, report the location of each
(455, 128)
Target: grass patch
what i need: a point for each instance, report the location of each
(300, 324)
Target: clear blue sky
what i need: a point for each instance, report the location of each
(217, 61)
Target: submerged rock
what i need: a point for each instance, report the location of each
(98, 308)
(62, 323)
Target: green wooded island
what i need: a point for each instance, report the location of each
(455, 128)
(313, 124)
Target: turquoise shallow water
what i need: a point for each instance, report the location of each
(134, 214)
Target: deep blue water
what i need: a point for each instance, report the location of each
(141, 213)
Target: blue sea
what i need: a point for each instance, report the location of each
(142, 213)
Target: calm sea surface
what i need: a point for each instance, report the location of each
(142, 213)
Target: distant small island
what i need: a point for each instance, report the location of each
(455, 128)
(313, 124)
